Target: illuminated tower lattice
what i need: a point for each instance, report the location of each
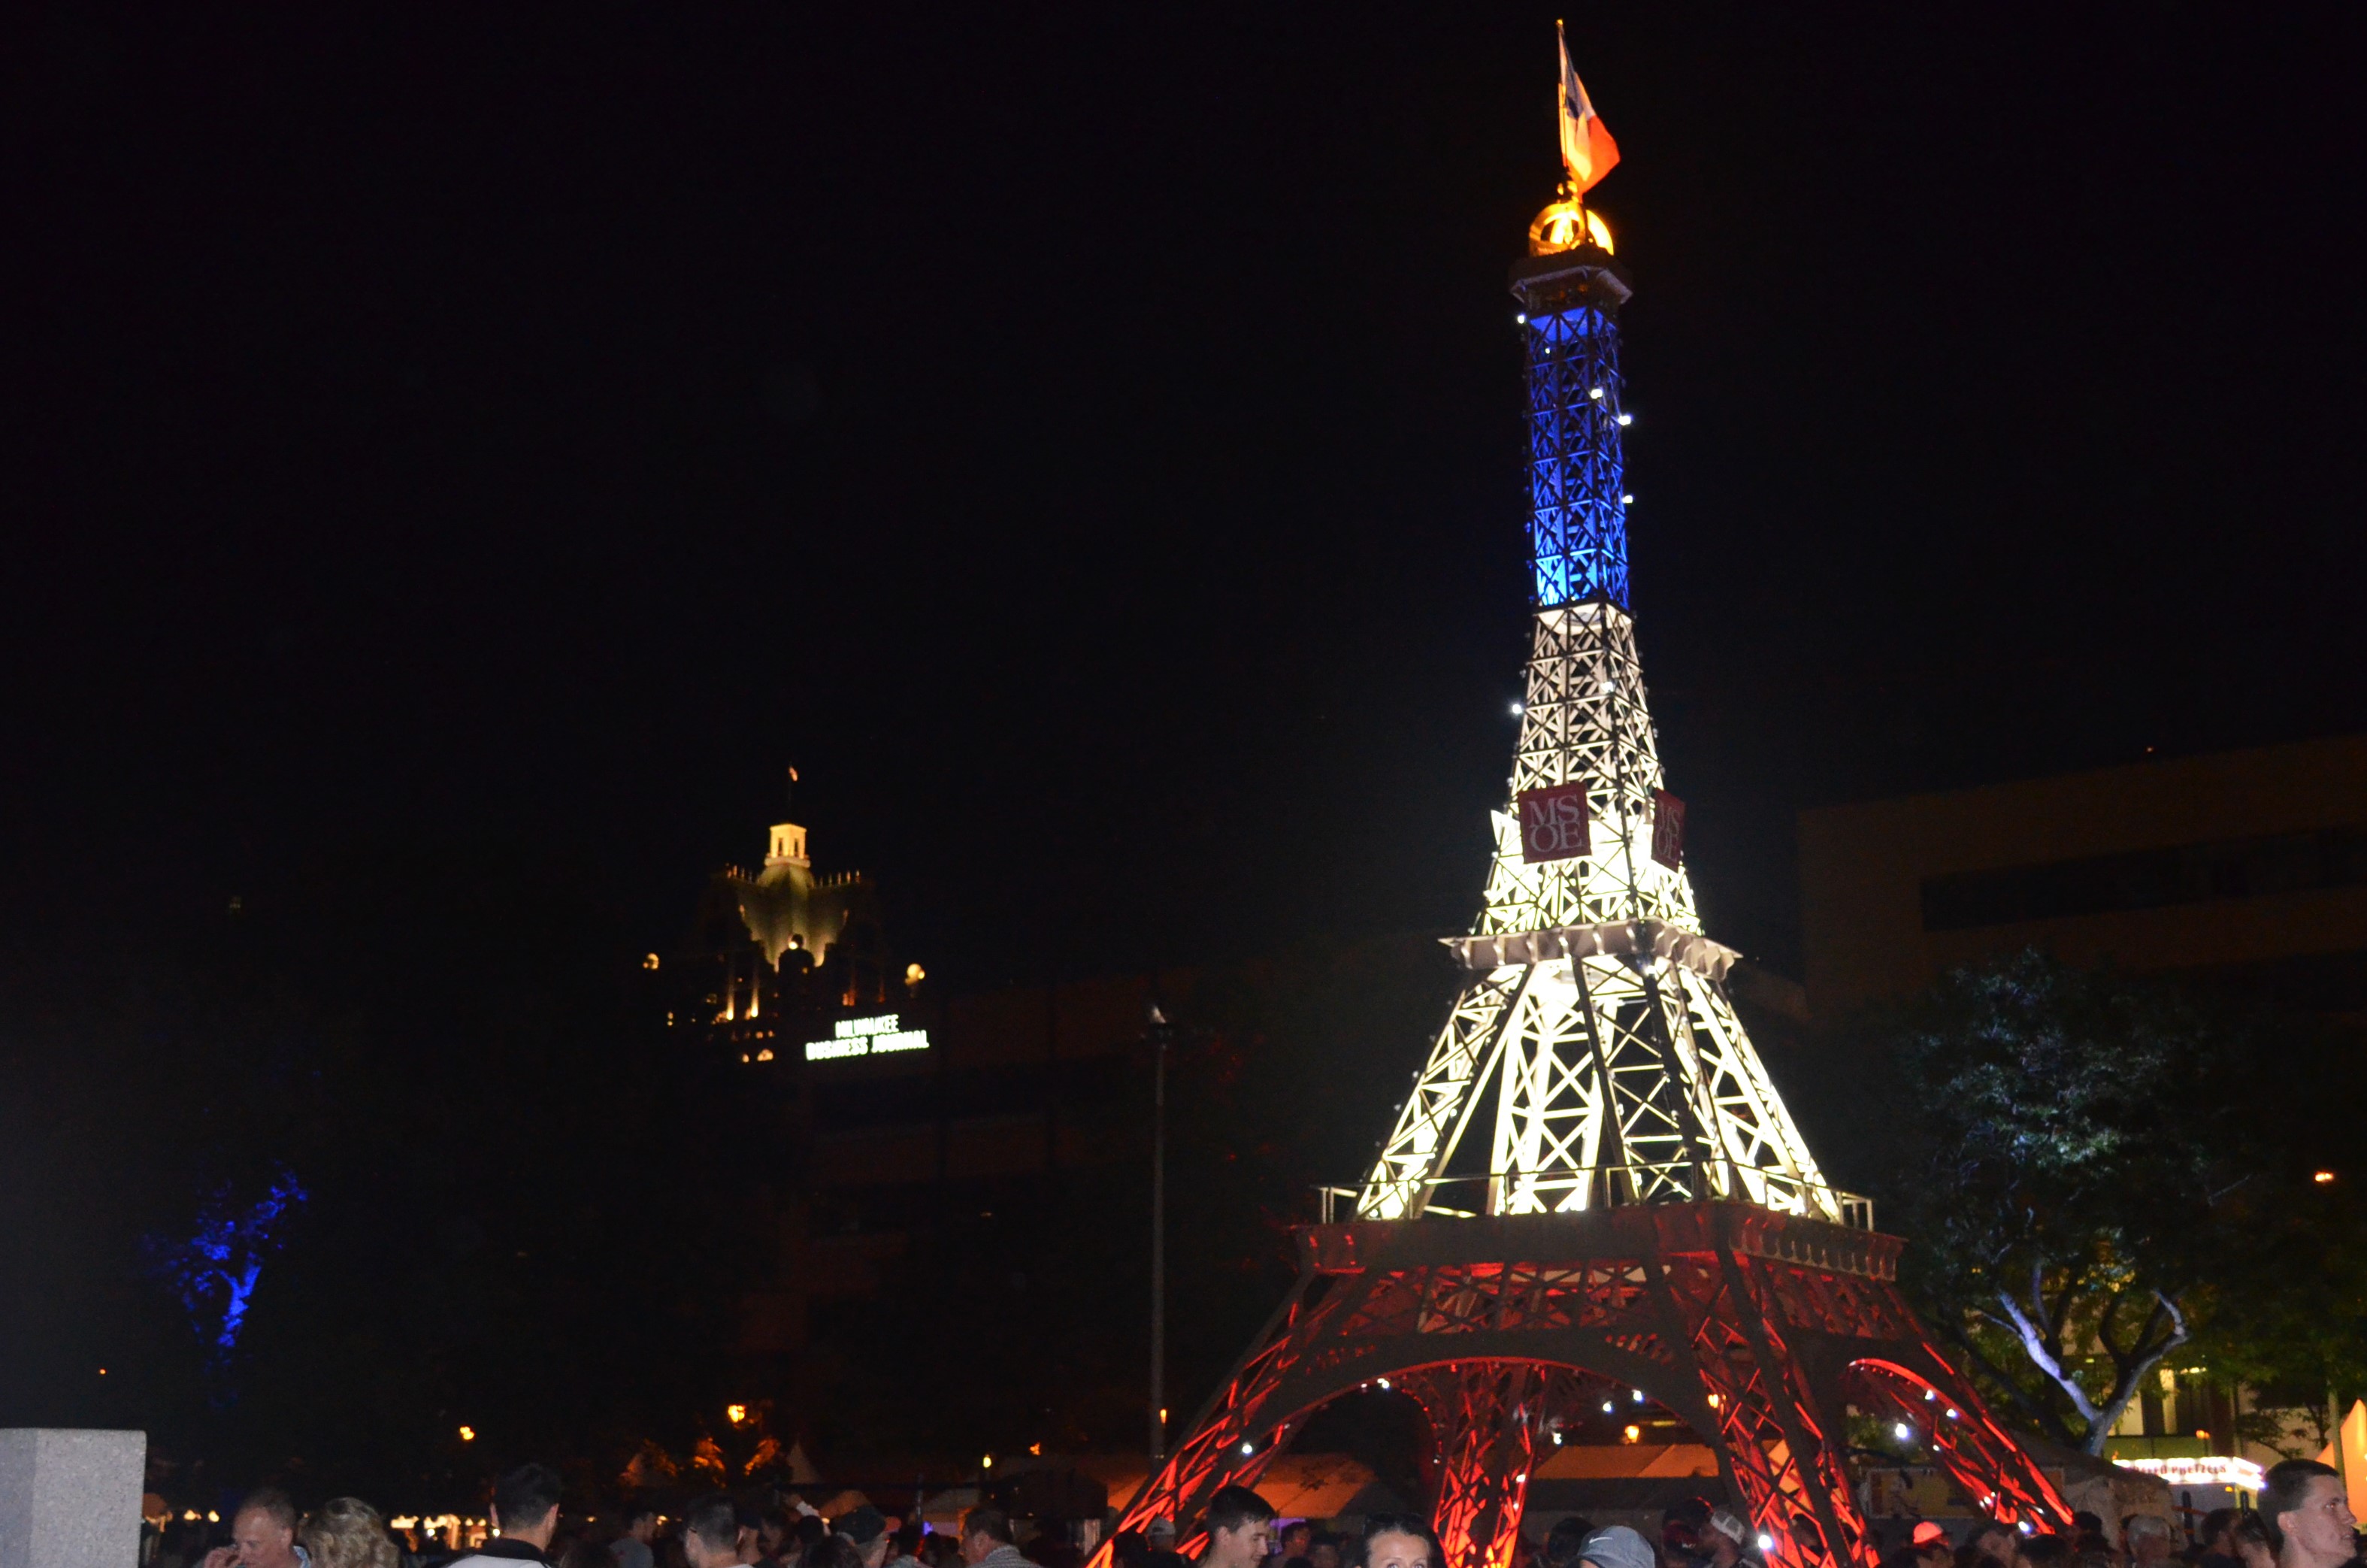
(1640, 1217)
(1594, 1019)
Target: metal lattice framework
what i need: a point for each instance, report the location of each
(1753, 1325)
(1641, 1206)
(1597, 1015)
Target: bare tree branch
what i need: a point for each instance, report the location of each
(2142, 1359)
(2044, 1356)
(2040, 1415)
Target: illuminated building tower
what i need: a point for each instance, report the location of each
(1592, 1197)
(775, 953)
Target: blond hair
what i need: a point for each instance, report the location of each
(346, 1532)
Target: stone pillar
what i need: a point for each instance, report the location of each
(70, 1498)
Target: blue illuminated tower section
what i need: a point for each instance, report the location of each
(1578, 494)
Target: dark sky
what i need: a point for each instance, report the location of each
(1085, 440)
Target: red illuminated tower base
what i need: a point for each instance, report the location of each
(1757, 1326)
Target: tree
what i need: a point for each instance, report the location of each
(2059, 1157)
(221, 1256)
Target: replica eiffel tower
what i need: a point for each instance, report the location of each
(1640, 1213)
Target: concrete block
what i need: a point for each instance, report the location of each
(70, 1498)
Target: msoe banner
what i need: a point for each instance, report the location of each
(1553, 823)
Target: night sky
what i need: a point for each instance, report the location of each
(1086, 441)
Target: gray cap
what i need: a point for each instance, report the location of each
(1616, 1546)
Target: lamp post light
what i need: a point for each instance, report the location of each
(1160, 1033)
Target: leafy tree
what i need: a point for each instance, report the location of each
(2062, 1157)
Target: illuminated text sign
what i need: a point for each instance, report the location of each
(868, 1037)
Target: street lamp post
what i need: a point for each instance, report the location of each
(1160, 1031)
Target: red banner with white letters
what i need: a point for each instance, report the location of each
(1553, 823)
(1668, 829)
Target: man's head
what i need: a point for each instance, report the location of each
(1297, 1537)
(772, 1531)
(2308, 1517)
(264, 1530)
(866, 1529)
(710, 1533)
(1240, 1528)
(1992, 1541)
(2216, 1532)
(526, 1504)
(983, 1530)
(1565, 1540)
(2148, 1538)
(640, 1522)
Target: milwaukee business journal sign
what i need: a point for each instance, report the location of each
(868, 1037)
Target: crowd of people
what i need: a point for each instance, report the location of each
(2304, 1520)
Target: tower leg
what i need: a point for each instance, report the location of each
(1487, 1415)
(1988, 1466)
(1787, 1470)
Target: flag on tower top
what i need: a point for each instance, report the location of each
(1587, 150)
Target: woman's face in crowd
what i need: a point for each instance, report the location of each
(1395, 1549)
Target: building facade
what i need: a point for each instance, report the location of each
(2243, 868)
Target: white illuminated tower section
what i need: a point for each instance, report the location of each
(1593, 1043)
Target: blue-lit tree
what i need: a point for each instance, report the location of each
(215, 1267)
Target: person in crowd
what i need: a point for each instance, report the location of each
(710, 1533)
(778, 1545)
(1722, 1543)
(526, 1510)
(345, 1532)
(632, 1550)
(906, 1552)
(1400, 1541)
(986, 1538)
(1565, 1540)
(2046, 1551)
(2215, 1546)
(1683, 1525)
(262, 1534)
(2250, 1537)
(2308, 1517)
(751, 1525)
(865, 1529)
(2146, 1538)
(1296, 1537)
(1324, 1549)
(1241, 1529)
(1616, 1546)
(1991, 1542)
